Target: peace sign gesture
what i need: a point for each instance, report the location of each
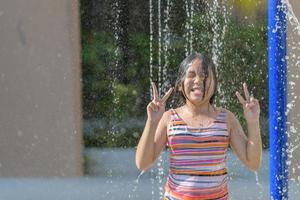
(250, 106)
(156, 107)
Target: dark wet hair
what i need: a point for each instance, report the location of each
(207, 64)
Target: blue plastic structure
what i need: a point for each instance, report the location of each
(277, 100)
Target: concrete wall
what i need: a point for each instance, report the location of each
(294, 91)
(40, 88)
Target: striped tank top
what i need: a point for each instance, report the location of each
(197, 160)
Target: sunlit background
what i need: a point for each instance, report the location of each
(75, 83)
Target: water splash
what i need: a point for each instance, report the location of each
(189, 9)
(293, 57)
(166, 45)
(152, 180)
(133, 193)
(163, 18)
(291, 15)
(259, 186)
(163, 10)
(138, 178)
(219, 27)
(151, 46)
(116, 33)
(159, 48)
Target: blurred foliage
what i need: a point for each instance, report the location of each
(245, 60)
(115, 93)
(106, 139)
(97, 55)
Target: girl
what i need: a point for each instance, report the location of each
(198, 134)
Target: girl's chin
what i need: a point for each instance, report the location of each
(196, 98)
(196, 95)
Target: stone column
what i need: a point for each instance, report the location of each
(40, 88)
(293, 52)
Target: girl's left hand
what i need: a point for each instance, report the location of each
(250, 106)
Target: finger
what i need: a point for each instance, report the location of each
(251, 99)
(253, 102)
(155, 92)
(153, 107)
(167, 95)
(241, 99)
(159, 103)
(247, 96)
(250, 105)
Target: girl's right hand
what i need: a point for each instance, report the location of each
(156, 107)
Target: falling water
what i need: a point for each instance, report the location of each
(159, 47)
(135, 184)
(291, 16)
(151, 76)
(216, 34)
(163, 39)
(116, 28)
(260, 197)
(166, 44)
(151, 70)
(189, 9)
(219, 30)
(164, 53)
(191, 26)
(293, 123)
(151, 45)
(163, 64)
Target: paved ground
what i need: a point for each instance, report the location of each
(96, 188)
(116, 179)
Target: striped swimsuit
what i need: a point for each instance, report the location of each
(197, 160)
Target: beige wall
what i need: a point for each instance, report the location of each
(40, 89)
(294, 91)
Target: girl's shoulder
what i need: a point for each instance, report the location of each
(225, 110)
(167, 116)
(171, 114)
(173, 110)
(229, 115)
(231, 118)
(220, 109)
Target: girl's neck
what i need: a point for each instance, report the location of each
(196, 110)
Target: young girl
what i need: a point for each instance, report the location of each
(198, 134)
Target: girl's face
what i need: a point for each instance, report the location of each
(193, 83)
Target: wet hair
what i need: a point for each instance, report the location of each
(207, 65)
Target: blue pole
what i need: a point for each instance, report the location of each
(277, 100)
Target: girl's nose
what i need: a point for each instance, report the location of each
(198, 79)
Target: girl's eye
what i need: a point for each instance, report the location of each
(192, 74)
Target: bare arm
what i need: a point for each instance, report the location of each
(152, 142)
(248, 149)
(154, 136)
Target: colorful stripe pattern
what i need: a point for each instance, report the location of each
(197, 160)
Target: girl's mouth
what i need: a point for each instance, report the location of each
(196, 91)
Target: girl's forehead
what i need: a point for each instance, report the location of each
(195, 65)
